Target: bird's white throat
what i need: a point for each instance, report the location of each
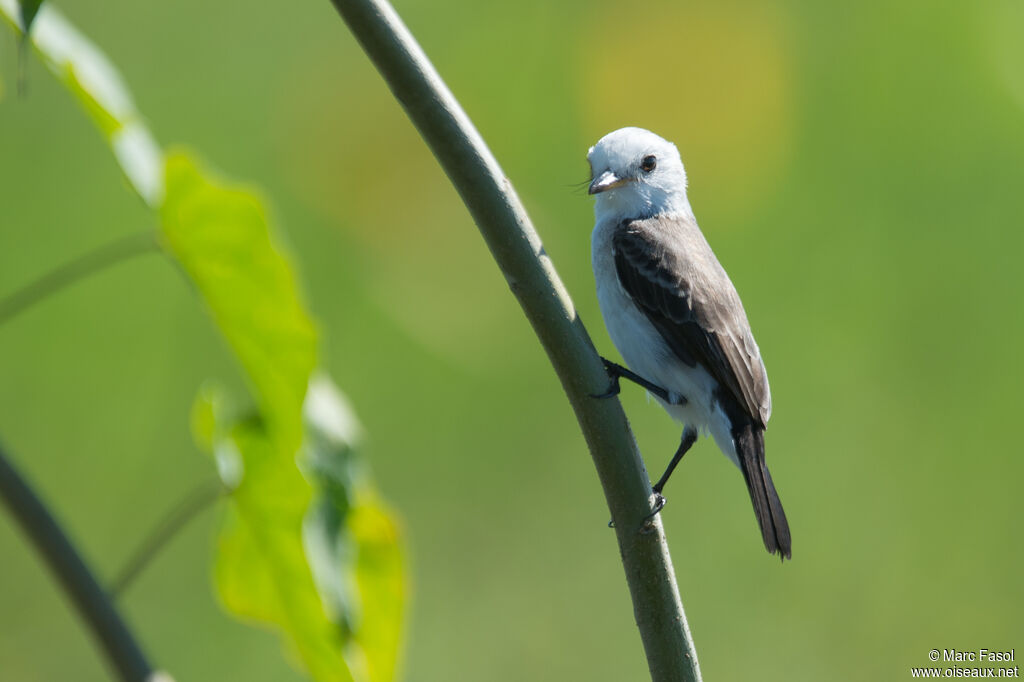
(650, 177)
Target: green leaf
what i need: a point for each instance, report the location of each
(289, 554)
(381, 583)
(318, 555)
(261, 572)
(93, 79)
(208, 423)
(352, 540)
(220, 237)
(205, 412)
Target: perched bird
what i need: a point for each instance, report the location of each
(675, 316)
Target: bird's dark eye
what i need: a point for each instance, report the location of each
(648, 164)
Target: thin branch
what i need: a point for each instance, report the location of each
(502, 220)
(194, 502)
(68, 567)
(100, 258)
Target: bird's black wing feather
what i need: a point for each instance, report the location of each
(670, 272)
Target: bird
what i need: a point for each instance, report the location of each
(675, 316)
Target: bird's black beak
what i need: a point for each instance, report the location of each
(606, 181)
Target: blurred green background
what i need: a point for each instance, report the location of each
(859, 169)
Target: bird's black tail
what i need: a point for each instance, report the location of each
(749, 439)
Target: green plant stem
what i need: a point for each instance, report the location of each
(70, 570)
(64, 275)
(188, 508)
(514, 243)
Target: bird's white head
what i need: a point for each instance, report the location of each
(637, 174)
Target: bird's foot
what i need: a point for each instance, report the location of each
(615, 373)
(659, 503)
(615, 387)
(648, 521)
(647, 526)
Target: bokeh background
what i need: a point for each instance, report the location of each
(858, 168)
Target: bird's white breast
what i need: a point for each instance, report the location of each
(646, 353)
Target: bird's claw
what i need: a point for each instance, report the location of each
(647, 527)
(616, 387)
(612, 391)
(659, 504)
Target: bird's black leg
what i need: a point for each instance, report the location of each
(689, 438)
(616, 371)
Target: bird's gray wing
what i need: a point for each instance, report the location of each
(670, 272)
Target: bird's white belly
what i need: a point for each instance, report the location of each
(646, 353)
